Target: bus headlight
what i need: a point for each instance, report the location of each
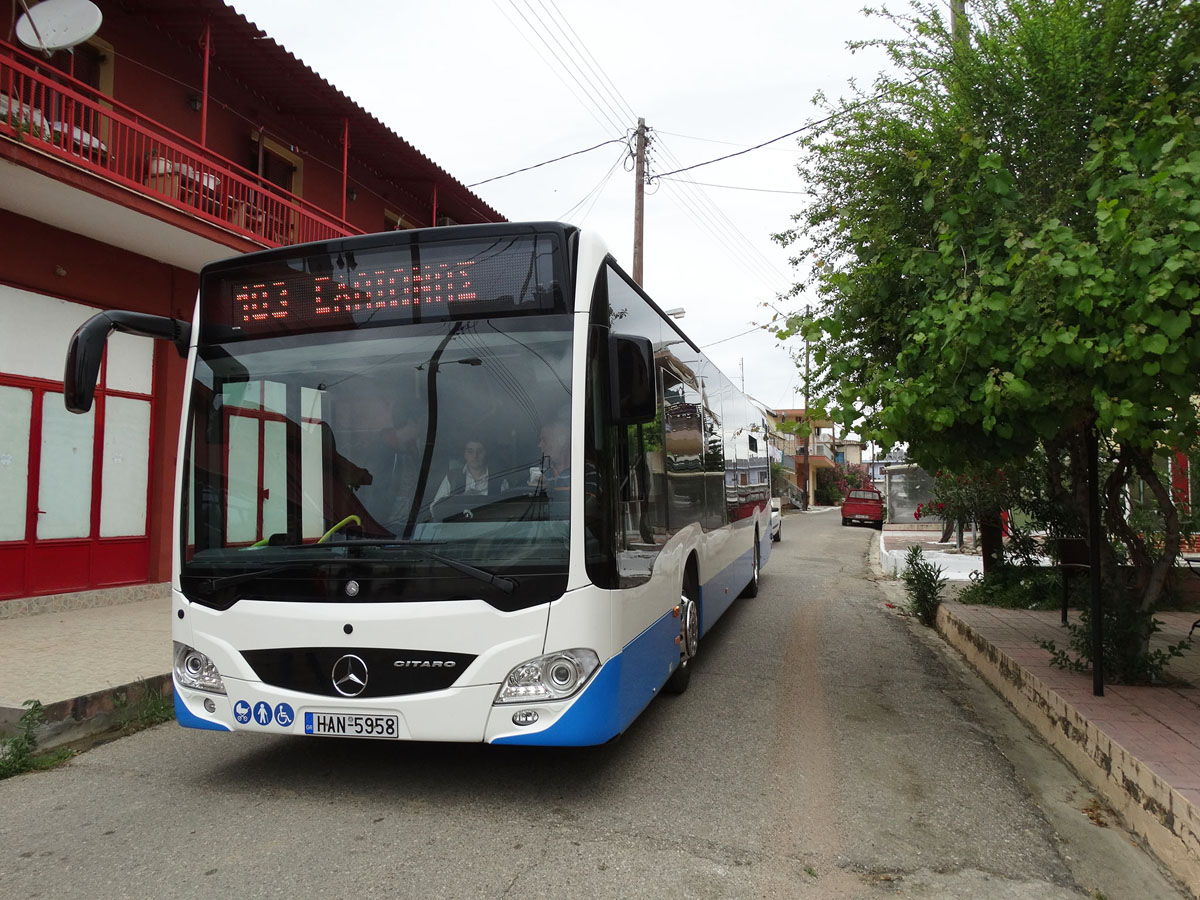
(554, 676)
(195, 670)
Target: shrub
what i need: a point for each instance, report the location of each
(924, 582)
(1018, 587)
(1126, 630)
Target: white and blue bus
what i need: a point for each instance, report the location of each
(379, 534)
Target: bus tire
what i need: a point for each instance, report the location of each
(689, 637)
(751, 589)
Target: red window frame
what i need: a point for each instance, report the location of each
(262, 416)
(33, 566)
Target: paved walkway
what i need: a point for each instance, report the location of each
(83, 665)
(1139, 746)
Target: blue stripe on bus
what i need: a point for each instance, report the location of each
(719, 592)
(630, 680)
(622, 688)
(189, 719)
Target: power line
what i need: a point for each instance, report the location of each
(597, 189)
(597, 79)
(766, 269)
(731, 337)
(692, 137)
(731, 187)
(549, 65)
(604, 112)
(704, 219)
(755, 147)
(804, 127)
(547, 162)
(723, 221)
(605, 80)
(700, 207)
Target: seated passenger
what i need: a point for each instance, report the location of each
(554, 477)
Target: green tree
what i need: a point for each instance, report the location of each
(1004, 247)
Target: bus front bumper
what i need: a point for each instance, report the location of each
(463, 714)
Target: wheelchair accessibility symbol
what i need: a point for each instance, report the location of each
(284, 715)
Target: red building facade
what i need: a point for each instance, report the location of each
(180, 133)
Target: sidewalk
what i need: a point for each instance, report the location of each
(84, 665)
(1138, 746)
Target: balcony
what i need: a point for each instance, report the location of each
(822, 450)
(53, 114)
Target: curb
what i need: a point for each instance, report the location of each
(1166, 820)
(90, 716)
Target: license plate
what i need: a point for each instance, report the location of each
(326, 724)
(861, 516)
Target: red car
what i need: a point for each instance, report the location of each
(864, 506)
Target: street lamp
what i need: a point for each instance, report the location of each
(677, 313)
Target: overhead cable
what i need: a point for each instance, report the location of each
(731, 187)
(589, 108)
(606, 113)
(587, 75)
(755, 147)
(756, 259)
(574, 56)
(731, 337)
(802, 128)
(547, 162)
(596, 190)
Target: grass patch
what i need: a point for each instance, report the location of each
(18, 754)
(151, 709)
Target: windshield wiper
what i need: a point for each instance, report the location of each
(216, 584)
(501, 582)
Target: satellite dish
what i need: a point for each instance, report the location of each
(58, 24)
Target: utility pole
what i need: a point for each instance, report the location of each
(808, 436)
(958, 21)
(639, 194)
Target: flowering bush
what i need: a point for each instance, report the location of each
(833, 484)
(930, 509)
(966, 497)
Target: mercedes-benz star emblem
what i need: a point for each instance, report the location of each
(349, 675)
(351, 588)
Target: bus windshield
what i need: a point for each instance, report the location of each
(391, 455)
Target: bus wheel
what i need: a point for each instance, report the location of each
(689, 640)
(751, 589)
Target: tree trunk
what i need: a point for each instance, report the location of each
(1150, 573)
(991, 535)
(1156, 577)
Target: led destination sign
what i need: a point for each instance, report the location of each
(382, 286)
(307, 298)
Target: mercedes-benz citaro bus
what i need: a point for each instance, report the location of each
(464, 483)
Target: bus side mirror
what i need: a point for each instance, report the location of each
(87, 349)
(631, 379)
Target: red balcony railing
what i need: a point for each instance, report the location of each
(56, 114)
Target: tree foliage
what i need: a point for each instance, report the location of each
(1003, 238)
(1006, 242)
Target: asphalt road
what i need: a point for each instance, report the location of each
(827, 747)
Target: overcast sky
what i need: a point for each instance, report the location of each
(484, 87)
